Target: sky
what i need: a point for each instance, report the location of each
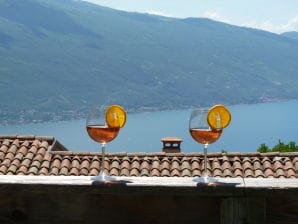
(276, 16)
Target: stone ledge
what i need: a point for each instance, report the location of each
(151, 181)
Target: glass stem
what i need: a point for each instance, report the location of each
(103, 152)
(205, 160)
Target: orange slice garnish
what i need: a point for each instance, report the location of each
(218, 117)
(115, 116)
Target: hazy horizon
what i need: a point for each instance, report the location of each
(270, 15)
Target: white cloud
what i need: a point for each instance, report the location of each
(215, 16)
(160, 13)
(290, 25)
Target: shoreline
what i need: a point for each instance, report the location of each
(70, 115)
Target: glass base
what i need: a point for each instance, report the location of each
(205, 179)
(104, 177)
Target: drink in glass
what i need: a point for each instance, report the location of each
(103, 125)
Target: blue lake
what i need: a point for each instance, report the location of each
(251, 125)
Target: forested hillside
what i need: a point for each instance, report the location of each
(59, 57)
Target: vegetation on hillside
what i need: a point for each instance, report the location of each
(59, 58)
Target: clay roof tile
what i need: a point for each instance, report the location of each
(268, 173)
(26, 162)
(186, 173)
(175, 165)
(144, 173)
(32, 155)
(217, 173)
(238, 173)
(56, 163)
(165, 173)
(114, 172)
(288, 164)
(22, 170)
(248, 173)
(12, 169)
(43, 171)
(291, 173)
(226, 165)
(134, 172)
(115, 164)
(277, 165)
(33, 170)
(227, 173)
(175, 173)
(124, 172)
(155, 173)
(125, 164)
(36, 164)
(259, 173)
(74, 171)
(93, 172)
(280, 173)
(13, 149)
(63, 171)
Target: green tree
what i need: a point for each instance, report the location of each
(263, 148)
(279, 147)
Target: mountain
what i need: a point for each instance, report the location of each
(291, 34)
(60, 57)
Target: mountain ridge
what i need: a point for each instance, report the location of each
(87, 54)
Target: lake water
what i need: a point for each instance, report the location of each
(251, 125)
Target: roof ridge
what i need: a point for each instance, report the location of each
(163, 154)
(29, 137)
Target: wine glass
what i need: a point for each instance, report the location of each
(203, 134)
(99, 131)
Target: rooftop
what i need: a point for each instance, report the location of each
(44, 155)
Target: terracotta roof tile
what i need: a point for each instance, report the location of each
(155, 173)
(291, 174)
(175, 173)
(43, 171)
(22, 170)
(63, 171)
(227, 173)
(54, 171)
(269, 173)
(35, 155)
(186, 173)
(248, 173)
(114, 172)
(36, 164)
(165, 164)
(26, 162)
(238, 173)
(125, 164)
(259, 173)
(93, 172)
(3, 169)
(56, 163)
(217, 173)
(226, 165)
(74, 171)
(124, 172)
(2, 155)
(196, 173)
(134, 172)
(280, 173)
(145, 165)
(288, 164)
(33, 170)
(185, 163)
(145, 173)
